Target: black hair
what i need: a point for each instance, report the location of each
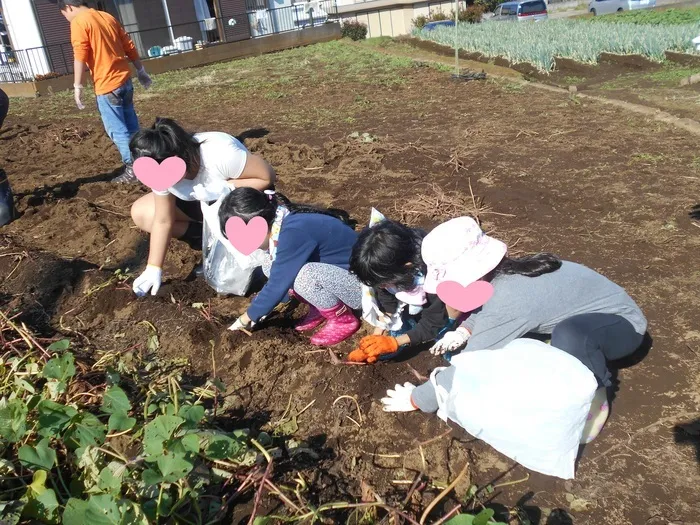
(62, 4)
(388, 254)
(166, 138)
(247, 203)
(529, 266)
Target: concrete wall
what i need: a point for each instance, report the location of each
(209, 55)
(391, 17)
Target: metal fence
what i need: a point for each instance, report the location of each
(25, 65)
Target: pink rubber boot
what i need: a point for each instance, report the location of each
(313, 317)
(341, 324)
(311, 320)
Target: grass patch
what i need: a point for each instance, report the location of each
(646, 158)
(268, 77)
(572, 80)
(672, 16)
(672, 74)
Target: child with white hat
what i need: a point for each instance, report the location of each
(587, 315)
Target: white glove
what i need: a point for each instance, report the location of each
(78, 96)
(451, 341)
(399, 399)
(240, 325)
(143, 77)
(150, 279)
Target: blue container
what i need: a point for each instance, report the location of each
(444, 23)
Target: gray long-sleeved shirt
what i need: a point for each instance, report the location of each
(522, 305)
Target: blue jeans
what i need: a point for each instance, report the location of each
(119, 117)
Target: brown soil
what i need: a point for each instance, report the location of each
(590, 182)
(618, 77)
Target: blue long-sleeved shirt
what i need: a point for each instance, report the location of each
(304, 238)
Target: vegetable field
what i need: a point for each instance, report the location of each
(540, 43)
(651, 17)
(121, 410)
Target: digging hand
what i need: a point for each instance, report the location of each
(144, 78)
(150, 279)
(242, 323)
(372, 346)
(451, 341)
(78, 96)
(399, 399)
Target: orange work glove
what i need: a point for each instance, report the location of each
(372, 346)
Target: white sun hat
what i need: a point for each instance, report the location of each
(457, 250)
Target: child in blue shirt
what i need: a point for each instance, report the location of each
(310, 254)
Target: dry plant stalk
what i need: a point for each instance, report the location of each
(438, 205)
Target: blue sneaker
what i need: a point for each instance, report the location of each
(7, 203)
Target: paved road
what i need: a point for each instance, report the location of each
(568, 9)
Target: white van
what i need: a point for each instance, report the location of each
(606, 7)
(523, 11)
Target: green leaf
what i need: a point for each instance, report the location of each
(173, 468)
(461, 519)
(13, 420)
(112, 377)
(11, 511)
(190, 443)
(115, 400)
(60, 368)
(55, 388)
(102, 510)
(74, 514)
(157, 432)
(153, 343)
(192, 414)
(288, 428)
(87, 460)
(262, 520)
(132, 513)
(109, 483)
(120, 422)
(24, 385)
(484, 517)
(40, 456)
(221, 447)
(53, 417)
(59, 346)
(85, 430)
(151, 477)
(41, 502)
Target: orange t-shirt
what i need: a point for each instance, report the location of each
(100, 41)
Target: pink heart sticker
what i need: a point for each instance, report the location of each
(246, 238)
(159, 177)
(465, 298)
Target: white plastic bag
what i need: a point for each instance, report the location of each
(226, 270)
(529, 401)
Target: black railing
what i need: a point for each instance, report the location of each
(25, 65)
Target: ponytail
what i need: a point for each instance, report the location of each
(166, 138)
(248, 203)
(529, 266)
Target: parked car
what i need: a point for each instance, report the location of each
(522, 11)
(606, 7)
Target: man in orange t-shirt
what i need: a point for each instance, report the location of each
(101, 44)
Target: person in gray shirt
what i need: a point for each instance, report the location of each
(587, 315)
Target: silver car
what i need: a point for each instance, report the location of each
(521, 11)
(606, 7)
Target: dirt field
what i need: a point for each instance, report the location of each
(589, 182)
